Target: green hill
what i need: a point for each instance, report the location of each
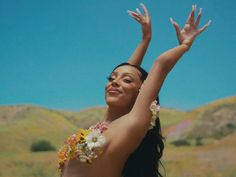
(213, 121)
(22, 125)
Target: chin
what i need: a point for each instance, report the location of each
(118, 102)
(113, 101)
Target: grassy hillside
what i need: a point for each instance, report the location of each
(212, 121)
(86, 117)
(211, 160)
(22, 125)
(215, 120)
(26, 124)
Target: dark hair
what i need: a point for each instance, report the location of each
(145, 160)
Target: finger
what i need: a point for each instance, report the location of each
(176, 26)
(138, 11)
(146, 13)
(131, 13)
(204, 27)
(193, 14)
(135, 16)
(198, 17)
(190, 18)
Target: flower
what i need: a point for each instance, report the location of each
(95, 139)
(155, 108)
(101, 126)
(62, 156)
(80, 136)
(85, 146)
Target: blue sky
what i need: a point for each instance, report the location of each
(57, 53)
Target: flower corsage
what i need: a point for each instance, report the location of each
(85, 145)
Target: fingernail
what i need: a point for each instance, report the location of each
(171, 20)
(138, 10)
(141, 4)
(209, 22)
(200, 10)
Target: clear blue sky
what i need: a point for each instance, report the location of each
(57, 53)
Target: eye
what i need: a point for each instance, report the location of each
(127, 80)
(109, 78)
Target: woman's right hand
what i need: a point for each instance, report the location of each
(144, 20)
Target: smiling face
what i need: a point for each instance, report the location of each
(123, 87)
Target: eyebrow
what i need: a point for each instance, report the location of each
(125, 73)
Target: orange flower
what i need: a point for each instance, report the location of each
(62, 155)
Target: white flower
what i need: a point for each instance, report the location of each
(95, 139)
(155, 108)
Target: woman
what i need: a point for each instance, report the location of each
(103, 150)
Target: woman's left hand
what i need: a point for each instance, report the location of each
(144, 20)
(190, 30)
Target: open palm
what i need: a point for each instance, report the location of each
(143, 19)
(190, 30)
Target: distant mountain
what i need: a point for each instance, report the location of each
(214, 120)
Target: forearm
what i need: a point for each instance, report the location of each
(168, 59)
(138, 55)
(156, 77)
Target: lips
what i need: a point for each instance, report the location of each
(113, 91)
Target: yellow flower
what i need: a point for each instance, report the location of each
(80, 136)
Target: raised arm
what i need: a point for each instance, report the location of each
(145, 21)
(135, 124)
(163, 65)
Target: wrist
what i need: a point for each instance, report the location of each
(185, 47)
(187, 43)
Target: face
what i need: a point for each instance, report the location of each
(123, 87)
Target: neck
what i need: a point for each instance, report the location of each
(113, 113)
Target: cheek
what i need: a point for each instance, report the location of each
(134, 87)
(132, 91)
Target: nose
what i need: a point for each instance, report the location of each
(115, 82)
